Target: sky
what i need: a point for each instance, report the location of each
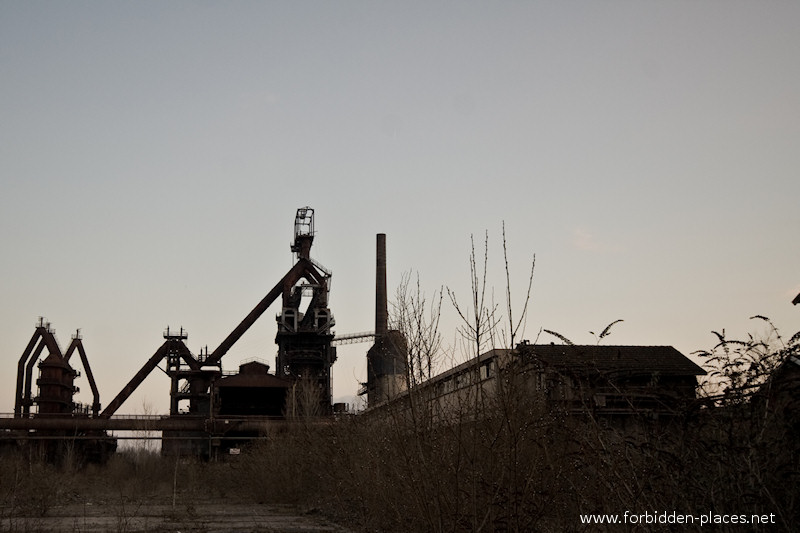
(153, 155)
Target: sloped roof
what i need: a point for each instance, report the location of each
(55, 360)
(630, 360)
(486, 356)
(254, 367)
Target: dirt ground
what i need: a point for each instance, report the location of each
(136, 517)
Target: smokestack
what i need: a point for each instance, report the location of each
(381, 305)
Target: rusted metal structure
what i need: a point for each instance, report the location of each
(57, 375)
(305, 354)
(209, 409)
(192, 375)
(56, 397)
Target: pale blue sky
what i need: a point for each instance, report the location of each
(152, 156)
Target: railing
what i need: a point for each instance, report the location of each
(71, 415)
(181, 334)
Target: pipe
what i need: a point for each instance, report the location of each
(216, 426)
(19, 402)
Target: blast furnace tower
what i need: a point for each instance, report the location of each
(304, 333)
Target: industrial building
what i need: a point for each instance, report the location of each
(610, 382)
(213, 411)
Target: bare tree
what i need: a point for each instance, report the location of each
(304, 398)
(490, 424)
(418, 321)
(478, 320)
(513, 328)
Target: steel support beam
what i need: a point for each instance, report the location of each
(137, 380)
(19, 399)
(293, 276)
(78, 344)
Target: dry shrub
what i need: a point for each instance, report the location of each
(285, 467)
(521, 467)
(499, 463)
(30, 486)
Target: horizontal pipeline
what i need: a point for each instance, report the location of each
(171, 423)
